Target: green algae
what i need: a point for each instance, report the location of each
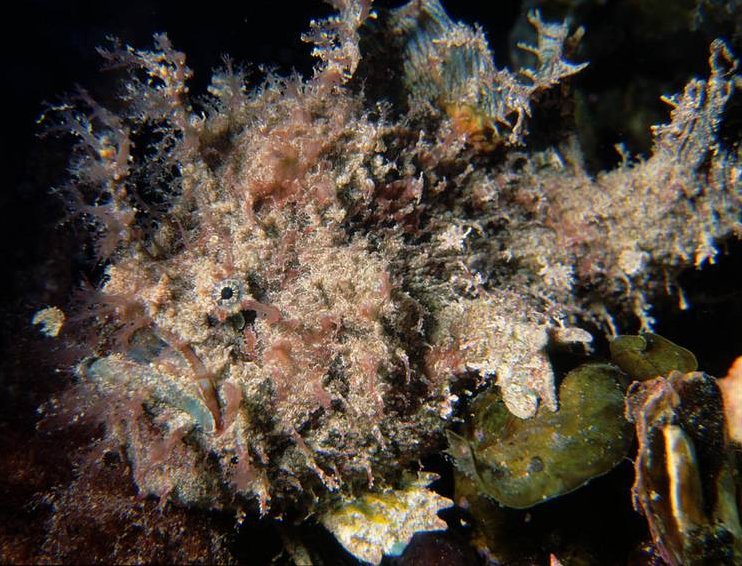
(648, 355)
(521, 463)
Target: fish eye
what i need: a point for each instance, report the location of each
(228, 293)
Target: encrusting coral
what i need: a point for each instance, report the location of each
(297, 275)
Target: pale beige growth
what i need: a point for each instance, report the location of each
(378, 524)
(450, 64)
(501, 337)
(50, 320)
(633, 227)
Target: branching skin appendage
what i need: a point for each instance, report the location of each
(298, 278)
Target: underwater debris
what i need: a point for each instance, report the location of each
(383, 523)
(685, 479)
(521, 463)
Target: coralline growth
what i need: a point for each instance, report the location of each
(297, 276)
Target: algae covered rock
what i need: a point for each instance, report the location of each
(523, 462)
(685, 477)
(375, 524)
